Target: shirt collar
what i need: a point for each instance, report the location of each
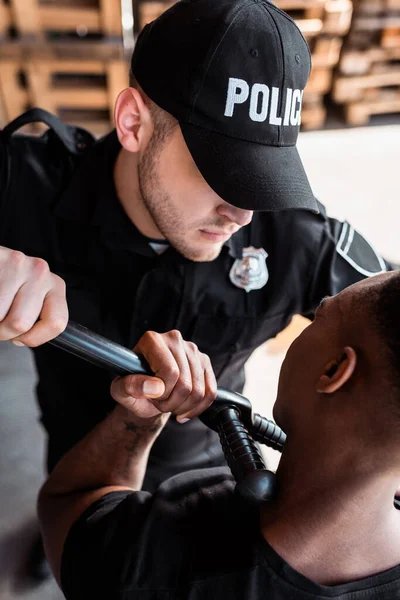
(91, 199)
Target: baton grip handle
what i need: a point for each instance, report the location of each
(254, 482)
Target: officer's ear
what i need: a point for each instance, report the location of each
(133, 120)
(337, 372)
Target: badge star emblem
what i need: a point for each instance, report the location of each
(251, 271)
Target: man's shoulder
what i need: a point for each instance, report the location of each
(300, 229)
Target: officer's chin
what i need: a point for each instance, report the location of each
(205, 254)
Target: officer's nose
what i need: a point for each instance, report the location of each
(236, 215)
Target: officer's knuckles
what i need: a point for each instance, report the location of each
(192, 348)
(174, 336)
(59, 284)
(16, 260)
(183, 388)
(39, 268)
(169, 374)
(197, 397)
(56, 324)
(19, 324)
(205, 360)
(150, 339)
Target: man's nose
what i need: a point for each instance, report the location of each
(236, 215)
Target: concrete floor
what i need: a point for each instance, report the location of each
(355, 173)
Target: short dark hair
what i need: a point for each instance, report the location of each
(164, 123)
(386, 308)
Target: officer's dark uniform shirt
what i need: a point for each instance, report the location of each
(58, 202)
(192, 540)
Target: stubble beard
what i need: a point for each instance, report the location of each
(163, 212)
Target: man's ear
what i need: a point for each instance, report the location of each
(337, 373)
(133, 120)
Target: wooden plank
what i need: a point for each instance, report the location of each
(32, 17)
(5, 18)
(117, 80)
(338, 16)
(38, 77)
(326, 52)
(111, 18)
(391, 37)
(60, 18)
(360, 113)
(74, 98)
(14, 97)
(350, 88)
(79, 87)
(288, 5)
(148, 11)
(310, 27)
(63, 49)
(354, 62)
(319, 82)
(74, 66)
(375, 23)
(26, 16)
(313, 117)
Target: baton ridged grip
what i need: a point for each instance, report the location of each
(254, 482)
(267, 432)
(241, 452)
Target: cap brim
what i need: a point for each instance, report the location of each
(249, 175)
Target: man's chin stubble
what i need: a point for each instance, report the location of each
(204, 256)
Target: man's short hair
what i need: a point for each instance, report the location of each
(163, 122)
(386, 308)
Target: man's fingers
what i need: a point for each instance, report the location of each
(53, 311)
(28, 290)
(137, 393)
(187, 373)
(166, 356)
(210, 392)
(196, 397)
(136, 386)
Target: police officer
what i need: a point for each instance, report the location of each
(195, 215)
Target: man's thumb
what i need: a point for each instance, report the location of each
(153, 387)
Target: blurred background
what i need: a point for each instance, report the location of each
(71, 57)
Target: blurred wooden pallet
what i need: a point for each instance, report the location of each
(312, 16)
(44, 18)
(367, 80)
(5, 18)
(148, 11)
(81, 90)
(387, 101)
(313, 113)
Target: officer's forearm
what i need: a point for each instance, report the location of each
(114, 453)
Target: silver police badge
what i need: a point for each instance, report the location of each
(250, 272)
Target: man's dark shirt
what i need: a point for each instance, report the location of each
(58, 202)
(194, 539)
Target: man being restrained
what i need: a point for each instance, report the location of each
(332, 529)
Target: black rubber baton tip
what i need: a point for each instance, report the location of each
(257, 487)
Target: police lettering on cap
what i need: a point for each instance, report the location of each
(260, 107)
(233, 72)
